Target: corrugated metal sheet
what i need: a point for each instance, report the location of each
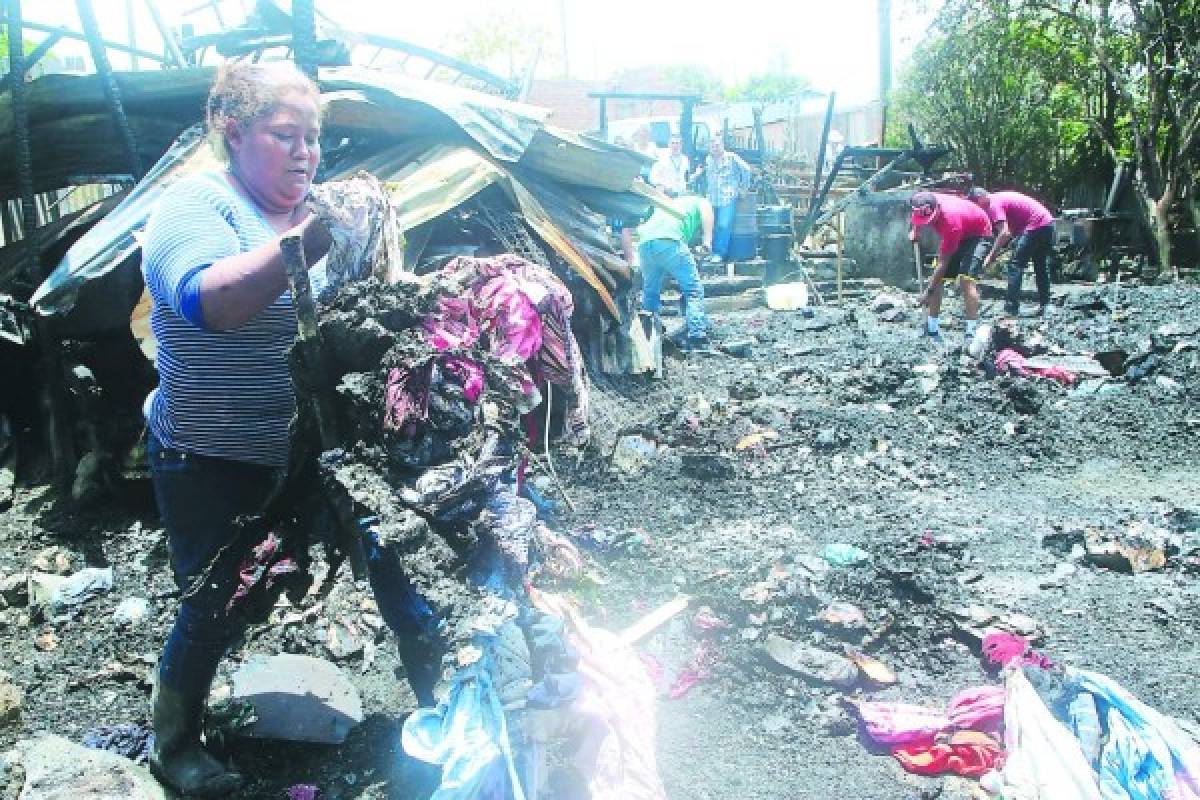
(437, 146)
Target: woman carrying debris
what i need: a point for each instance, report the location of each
(218, 420)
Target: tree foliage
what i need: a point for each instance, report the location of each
(768, 86)
(695, 79)
(1147, 53)
(505, 43)
(1039, 93)
(994, 85)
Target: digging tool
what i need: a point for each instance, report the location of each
(349, 536)
(922, 318)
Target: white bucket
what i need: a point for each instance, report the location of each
(787, 296)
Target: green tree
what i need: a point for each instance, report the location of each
(29, 47)
(1147, 53)
(1041, 92)
(695, 80)
(994, 84)
(503, 42)
(768, 86)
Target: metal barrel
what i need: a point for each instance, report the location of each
(745, 215)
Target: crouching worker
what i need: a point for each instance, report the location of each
(663, 249)
(1015, 215)
(966, 239)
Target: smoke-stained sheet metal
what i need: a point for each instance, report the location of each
(174, 93)
(437, 180)
(544, 225)
(107, 245)
(503, 128)
(584, 227)
(583, 160)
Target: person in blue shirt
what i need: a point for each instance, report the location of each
(729, 177)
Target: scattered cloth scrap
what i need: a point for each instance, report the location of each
(1042, 760)
(980, 708)
(1009, 361)
(1146, 755)
(968, 753)
(125, 739)
(901, 723)
(1004, 649)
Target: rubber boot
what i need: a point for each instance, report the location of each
(177, 759)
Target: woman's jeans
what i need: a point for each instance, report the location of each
(199, 499)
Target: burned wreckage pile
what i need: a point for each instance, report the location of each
(434, 378)
(433, 385)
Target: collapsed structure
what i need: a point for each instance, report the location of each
(468, 173)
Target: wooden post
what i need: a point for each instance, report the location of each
(318, 399)
(840, 242)
(58, 430)
(24, 151)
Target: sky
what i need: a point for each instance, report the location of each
(832, 43)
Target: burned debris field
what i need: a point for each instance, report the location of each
(976, 502)
(384, 423)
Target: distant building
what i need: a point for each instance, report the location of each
(794, 127)
(572, 108)
(54, 64)
(568, 101)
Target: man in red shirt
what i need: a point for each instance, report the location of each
(1015, 215)
(966, 239)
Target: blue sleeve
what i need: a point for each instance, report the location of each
(189, 299)
(187, 232)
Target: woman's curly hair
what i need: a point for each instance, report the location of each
(244, 91)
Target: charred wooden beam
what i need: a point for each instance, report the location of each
(62, 451)
(87, 18)
(24, 150)
(304, 37)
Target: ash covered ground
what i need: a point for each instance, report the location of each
(972, 494)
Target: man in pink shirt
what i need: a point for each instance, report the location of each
(1015, 215)
(966, 240)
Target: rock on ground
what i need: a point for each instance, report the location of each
(56, 769)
